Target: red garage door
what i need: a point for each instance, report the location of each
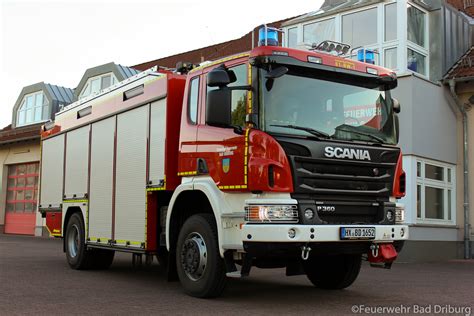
(22, 192)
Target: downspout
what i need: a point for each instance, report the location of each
(462, 109)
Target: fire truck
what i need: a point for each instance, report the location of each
(274, 158)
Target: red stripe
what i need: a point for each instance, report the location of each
(27, 175)
(22, 188)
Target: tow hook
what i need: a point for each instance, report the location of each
(305, 250)
(375, 250)
(382, 255)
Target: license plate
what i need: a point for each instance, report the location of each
(357, 232)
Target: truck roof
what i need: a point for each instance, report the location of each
(302, 55)
(325, 58)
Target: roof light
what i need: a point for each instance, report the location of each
(366, 56)
(372, 71)
(268, 36)
(331, 46)
(314, 59)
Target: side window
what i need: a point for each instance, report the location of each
(239, 97)
(193, 100)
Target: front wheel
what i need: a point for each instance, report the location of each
(199, 265)
(332, 272)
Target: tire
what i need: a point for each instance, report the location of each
(332, 272)
(77, 255)
(200, 268)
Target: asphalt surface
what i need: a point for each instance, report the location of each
(35, 279)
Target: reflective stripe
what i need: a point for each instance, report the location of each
(187, 173)
(99, 239)
(233, 187)
(75, 201)
(52, 234)
(223, 60)
(155, 189)
(139, 243)
(249, 93)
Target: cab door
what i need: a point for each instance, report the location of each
(224, 151)
(190, 119)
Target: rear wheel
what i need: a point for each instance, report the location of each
(332, 272)
(77, 254)
(199, 265)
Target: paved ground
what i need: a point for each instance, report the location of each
(35, 279)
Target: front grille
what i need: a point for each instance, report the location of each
(342, 178)
(341, 191)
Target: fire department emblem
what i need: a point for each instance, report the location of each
(225, 165)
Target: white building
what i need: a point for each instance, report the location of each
(420, 40)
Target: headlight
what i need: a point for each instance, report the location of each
(399, 213)
(271, 213)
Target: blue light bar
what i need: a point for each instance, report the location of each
(270, 34)
(366, 56)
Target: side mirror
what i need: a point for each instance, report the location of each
(218, 107)
(396, 105)
(220, 77)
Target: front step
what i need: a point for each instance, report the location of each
(233, 272)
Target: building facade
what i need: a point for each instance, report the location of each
(20, 155)
(20, 151)
(459, 80)
(420, 40)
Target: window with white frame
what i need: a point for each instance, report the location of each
(435, 192)
(417, 52)
(399, 33)
(317, 32)
(97, 83)
(292, 37)
(390, 50)
(34, 108)
(360, 28)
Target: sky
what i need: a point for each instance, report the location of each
(56, 41)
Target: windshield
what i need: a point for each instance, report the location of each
(350, 110)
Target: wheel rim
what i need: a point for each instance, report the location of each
(73, 240)
(194, 256)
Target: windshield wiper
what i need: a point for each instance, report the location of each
(378, 139)
(310, 130)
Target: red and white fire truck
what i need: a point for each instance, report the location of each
(275, 158)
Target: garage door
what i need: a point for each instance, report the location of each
(22, 192)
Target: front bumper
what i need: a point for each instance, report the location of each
(317, 233)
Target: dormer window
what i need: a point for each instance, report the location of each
(34, 108)
(97, 83)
